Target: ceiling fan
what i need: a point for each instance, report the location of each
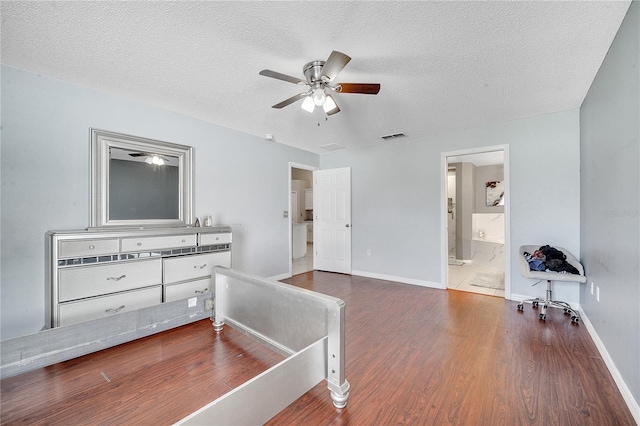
(319, 77)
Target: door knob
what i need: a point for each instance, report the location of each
(347, 225)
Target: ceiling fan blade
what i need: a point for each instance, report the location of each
(290, 100)
(283, 77)
(364, 88)
(335, 63)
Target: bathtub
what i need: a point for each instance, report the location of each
(487, 245)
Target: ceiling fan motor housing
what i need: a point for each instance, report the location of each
(313, 71)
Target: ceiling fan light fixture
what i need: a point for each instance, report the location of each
(329, 105)
(319, 97)
(308, 104)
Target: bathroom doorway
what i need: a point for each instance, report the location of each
(475, 223)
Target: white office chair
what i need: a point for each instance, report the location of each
(550, 276)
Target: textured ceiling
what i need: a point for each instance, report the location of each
(442, 65)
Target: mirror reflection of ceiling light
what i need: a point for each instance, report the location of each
(155, 160)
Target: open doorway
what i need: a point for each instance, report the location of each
(301, 218)
(475, 227)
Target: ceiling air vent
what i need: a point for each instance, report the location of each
(394, 136)
(331, 146)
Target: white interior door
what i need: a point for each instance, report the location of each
(332, 220)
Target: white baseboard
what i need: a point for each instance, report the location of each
(617, 377)
(279, 277)
(403, 280)
(518, 297)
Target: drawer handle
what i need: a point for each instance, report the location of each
(116, 278)
(200, 267)
(91, 247)
(139, 244)
(202, 291)
(114, 310)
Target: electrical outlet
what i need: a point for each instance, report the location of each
(285, 214)
(592, 288)
(368, 252)
(192, 302)
(598, 293)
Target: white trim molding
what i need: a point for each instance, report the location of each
(402, 280)
(280, 277)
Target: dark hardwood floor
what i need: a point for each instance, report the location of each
(157, 380)
(414, 356)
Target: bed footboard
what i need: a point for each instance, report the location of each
(305, 326)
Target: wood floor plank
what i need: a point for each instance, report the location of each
(414, 356)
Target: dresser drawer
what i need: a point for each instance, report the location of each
(186, 268)
(211, 239)
(157, 243)
(86, 248)
(87, 281)
(185, 290)
(100, 307)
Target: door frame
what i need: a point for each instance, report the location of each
(444, 254)
(291, 166)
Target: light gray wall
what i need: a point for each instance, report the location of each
(610, 220)
(396, 191)
(241, 180)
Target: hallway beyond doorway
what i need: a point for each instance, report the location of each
(303, 264)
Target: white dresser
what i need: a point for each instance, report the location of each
(96, 273)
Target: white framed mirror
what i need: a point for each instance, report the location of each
(139, 182)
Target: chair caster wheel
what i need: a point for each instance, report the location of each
(534, 304)
(575, 319)
(543, 316)
(567, 311)
(520, 307)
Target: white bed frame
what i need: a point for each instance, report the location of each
(303, 325)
